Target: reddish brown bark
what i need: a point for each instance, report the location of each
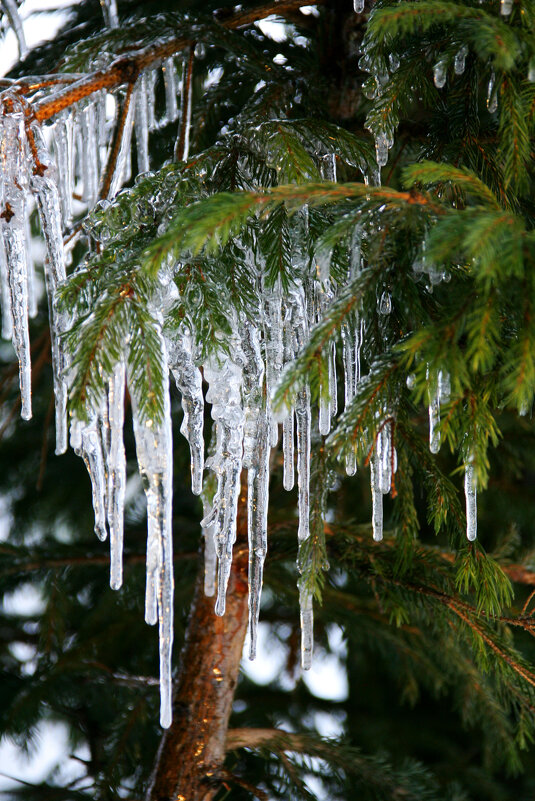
(192, 751)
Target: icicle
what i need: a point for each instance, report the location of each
(440, 73)
(307, 627)
(470, 493)
(150, 86)
(171, 89)
(30, 269)
(89, 154)
(358, 6)
(506, 6)
(224, 394)
(439, 393)
(381, 149)
(531, 70)
(5, 296)
(50, 215)
(12, 12)
(492, 94)
(459, 62)
(302, 416)
(109, 12)
(377, 497)
(91, 452)
(288, 434)
(154, 449)
(189, 382)
(210, 555)
(116, 471)
(142, 124)
(63, 141)
(13, 221)
(185, 109)
(384, 464)
(257, 508)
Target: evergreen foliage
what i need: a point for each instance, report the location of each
(437, 631)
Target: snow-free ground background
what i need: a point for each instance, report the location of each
(50, 749)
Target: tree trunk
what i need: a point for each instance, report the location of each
(192, 750)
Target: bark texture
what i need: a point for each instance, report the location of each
(192, 751)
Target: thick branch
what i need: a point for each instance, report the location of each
(126, 68)
(192, 751)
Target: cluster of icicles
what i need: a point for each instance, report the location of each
(240, 387)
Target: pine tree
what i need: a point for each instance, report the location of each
(253, 218)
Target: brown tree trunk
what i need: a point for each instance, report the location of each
(192, 750)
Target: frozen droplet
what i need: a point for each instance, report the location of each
(358, 6)
(492, 94)
(440, 73)
(459, 62)
(506, 6)
(531, 70)
(385, 303)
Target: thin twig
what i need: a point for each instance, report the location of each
(117, 142)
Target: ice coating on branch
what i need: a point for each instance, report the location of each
(116, 473)
(154, 447)
(470, 494)
(459, 61)
(15, 21)
(142, 124)
(189, 383)
(440, 73)
(121, 168)
(224, 394)
(170, 79)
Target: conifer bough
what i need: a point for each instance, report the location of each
(317, 273)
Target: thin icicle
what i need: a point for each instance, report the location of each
(109, 12)
(13, 222)
(189, 382)
(171, 89)
(12, 12)
(30, 269)
(257, 509)
(288, 436)
(154, 449)
(116, 470)
(63, 141)
(150, 87)
(5, 296)
(470, 494)
(50, 215)
(377, 497)
(142, 124)
(89, 154)
(210, 555)
(307, 627)
(186, 105)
